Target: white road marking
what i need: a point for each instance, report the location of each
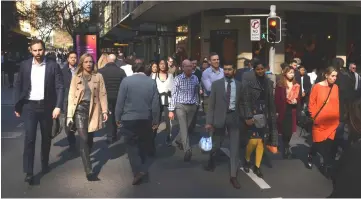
(259, 181)
(20, 125)
(10, 135)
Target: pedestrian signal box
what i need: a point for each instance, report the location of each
(274, 30)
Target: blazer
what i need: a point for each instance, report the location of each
(98, 99)
(217, 107)
(113, 76)
(67, 76)
(54, 85)
(306, 83)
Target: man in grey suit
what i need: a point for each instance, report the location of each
(224, 114)
(138, 110)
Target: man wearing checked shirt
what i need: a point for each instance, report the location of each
(184, 102)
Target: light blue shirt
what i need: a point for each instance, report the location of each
(232, 101)
(209, 76)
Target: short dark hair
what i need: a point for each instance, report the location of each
(293, 61)
(301, 66)
(337, 63)
(71, 52)
(148, 70)
(138, 68)
(284, 65)
(257, 62)
(228, 63)
(246, 62)
(37, 41)
(212, 54)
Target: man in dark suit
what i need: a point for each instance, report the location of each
(40, 93)
(68, 71)
(224, 114)
(113, 76)
(305, 84)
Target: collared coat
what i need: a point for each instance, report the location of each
(98, 100)
(254, 91)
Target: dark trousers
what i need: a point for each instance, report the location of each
(11, 77)
(33, 114)
(86, 138)
(218, 136)
(324, 148)
(339, 140)
(139, 141)
(112, 134)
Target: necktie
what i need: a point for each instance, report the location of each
(228, 93)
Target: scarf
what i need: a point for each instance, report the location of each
(293, 93)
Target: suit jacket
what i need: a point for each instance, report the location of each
(306, 83)
(54, 85)
(217, 107)
(67, 76)
(113, 76)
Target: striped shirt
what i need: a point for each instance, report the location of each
(185, 91)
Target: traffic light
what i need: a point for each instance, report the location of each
(274, 29)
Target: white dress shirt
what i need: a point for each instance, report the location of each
(127, 69)
(37, 81)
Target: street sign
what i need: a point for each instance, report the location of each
(255, 29)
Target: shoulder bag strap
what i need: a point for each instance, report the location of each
(324, 103)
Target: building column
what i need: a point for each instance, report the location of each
(162, 46)
(341, 45)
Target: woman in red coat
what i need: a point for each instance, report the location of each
(286, 100)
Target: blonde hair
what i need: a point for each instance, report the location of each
(81, 61)
(103, 60)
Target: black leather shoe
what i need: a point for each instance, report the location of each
(258, 172)
(234, 182)
(92, 177)
(188, 156)
(138, 178)
(29, 178)
(246, 166)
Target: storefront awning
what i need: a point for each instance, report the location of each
(122, 32)
(171, 11)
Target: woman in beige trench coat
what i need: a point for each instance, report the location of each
(87, 107)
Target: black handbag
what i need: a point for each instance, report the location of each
(309, 120)
(56, 128)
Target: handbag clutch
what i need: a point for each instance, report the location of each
(56, 128)
(260, 120)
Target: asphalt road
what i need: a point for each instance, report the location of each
(169, 175)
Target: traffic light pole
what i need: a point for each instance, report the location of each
(272, 49)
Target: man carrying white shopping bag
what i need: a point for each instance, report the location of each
(227, 108)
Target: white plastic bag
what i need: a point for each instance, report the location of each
(206, 143)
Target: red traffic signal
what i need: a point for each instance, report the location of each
(274, 29)
(273, 23)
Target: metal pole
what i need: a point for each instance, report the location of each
(272, 50)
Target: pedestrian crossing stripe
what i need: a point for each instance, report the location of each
(259, 181)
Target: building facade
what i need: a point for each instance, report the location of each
(199, 28)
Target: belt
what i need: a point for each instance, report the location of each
(188, 104)
(36, 101)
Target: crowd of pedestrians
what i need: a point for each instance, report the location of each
(245, 104)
